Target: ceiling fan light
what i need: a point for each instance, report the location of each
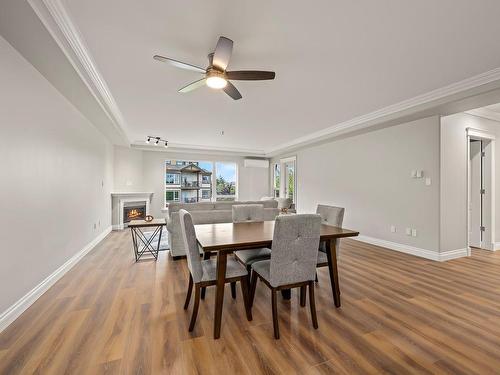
(216, 82)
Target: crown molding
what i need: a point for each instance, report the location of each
(57, 21)
(406, 107)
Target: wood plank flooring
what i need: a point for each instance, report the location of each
(400, 315)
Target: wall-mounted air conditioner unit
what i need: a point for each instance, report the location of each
(256, 163)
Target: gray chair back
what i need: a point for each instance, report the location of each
(191, 246)
(247, 213)
(295, 249)
(331, 215)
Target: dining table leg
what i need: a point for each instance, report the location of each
(331, 254)
(219, 293)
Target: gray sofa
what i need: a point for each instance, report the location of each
(207, 213)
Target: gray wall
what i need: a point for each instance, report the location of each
(369, 175)
(454, 177)
(55, 181)
(140, 170)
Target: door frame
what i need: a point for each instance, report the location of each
(488, 241)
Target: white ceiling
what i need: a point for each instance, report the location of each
(334, 61)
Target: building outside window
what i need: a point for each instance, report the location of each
(200, 181)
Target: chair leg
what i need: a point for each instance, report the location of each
(316, 276)
(312, 303)
(195, 307)
(275, 314)
(206, 256)
(253, 286)
(190, 289)
(303, 295)
(233, 290)
(246, 297)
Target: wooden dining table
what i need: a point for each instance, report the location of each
(224, 238)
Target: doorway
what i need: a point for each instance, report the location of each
(480, 190)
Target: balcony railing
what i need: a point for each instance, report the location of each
(190, 184)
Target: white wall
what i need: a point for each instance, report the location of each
(453, 219)
(55, 180)
(138, 170)
(369, 175)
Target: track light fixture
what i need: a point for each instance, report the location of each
(156, 141)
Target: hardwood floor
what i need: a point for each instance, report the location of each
(400, 314)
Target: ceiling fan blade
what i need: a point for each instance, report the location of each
(250, 75)
(232, 91)
(179, 64)
(222, 53)
(193, 85)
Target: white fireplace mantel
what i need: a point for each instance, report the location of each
(124, 197)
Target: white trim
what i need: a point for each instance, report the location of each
(479, 133)
(496, 246)
(57, 21)
(14, 311)
(391, 111)
(412, 250)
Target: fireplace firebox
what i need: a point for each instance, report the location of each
(134, 212)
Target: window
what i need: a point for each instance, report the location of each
(226, 173)
(276, 180)
(173, 178)
(197, 181)
(172, 195)
(205, 194)
(288, 179)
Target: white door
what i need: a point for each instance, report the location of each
(475, 183)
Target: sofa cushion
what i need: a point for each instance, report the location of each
(227, 206)
(201, 206)
(284, 202)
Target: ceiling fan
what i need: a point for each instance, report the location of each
(216, 75)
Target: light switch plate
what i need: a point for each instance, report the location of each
(408, 231)
(413, 174)
(428, 181)
(414, 233)
(393, 229)
(420, 174)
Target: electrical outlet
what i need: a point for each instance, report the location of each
(408, 231)
(393, 229)
(414, 233)
(428, 181)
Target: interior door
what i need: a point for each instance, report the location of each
(475, 187)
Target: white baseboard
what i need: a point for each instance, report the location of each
(496, 246)
(14, 311)
(118, 226)
(423, 253)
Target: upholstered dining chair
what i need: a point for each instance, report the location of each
(203, 273)
(330, 215)
(248, 213)
(293, 260)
